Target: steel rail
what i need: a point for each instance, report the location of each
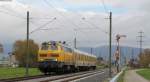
(83, 74)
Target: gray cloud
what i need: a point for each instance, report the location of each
(135, 18)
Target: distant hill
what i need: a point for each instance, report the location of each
(103, 51)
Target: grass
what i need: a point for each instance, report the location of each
(102, 66)
(144, 73)
(17, 72)
(121, 77)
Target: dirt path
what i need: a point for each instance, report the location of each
(132, 76)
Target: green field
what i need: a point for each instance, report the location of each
(17, 72)
(144, 73)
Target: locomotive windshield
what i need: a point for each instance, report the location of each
(53, 47)
(44, 46)
(47, 46)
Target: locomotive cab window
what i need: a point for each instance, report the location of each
(44, 46)
(53, 47)
(47, 46)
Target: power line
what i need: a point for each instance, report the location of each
(95, 26)
(43, 25)
(13, 11)
(40, 18)
(50, 5)
(71, 20)
(60, 13)
(11, 14)
(83, 33)
(104, 6)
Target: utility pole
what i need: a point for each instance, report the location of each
(91, 50)
(141, 40)
(132, 53)
(110, 40)
(100, 54)
(27, 46)
(75, 43)
(75, 38)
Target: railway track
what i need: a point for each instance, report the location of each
(74, 77)
(53, 78)
(23, 78)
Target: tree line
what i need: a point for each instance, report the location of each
(143, 60)
(20, 52)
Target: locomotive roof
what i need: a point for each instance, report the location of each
(79, 51)
(85, 53)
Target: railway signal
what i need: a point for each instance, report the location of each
(117, 53)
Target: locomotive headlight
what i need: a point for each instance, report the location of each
(55, 59)
(41, 59)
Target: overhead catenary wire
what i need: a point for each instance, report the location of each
(102, 30)
(18, 15)
(8, 13)
(91, 24)
(60, 13)
(50, 5)
(104, 6)
(95, 26)
(46, 18)
(13, 12)
(73, 22)
(40, 27)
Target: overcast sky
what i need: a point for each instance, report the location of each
(84, 19)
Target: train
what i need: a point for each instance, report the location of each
(54, 56)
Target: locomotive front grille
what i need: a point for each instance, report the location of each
(43, 55)
(54, 55)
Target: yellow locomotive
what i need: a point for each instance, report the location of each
(58, 57)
